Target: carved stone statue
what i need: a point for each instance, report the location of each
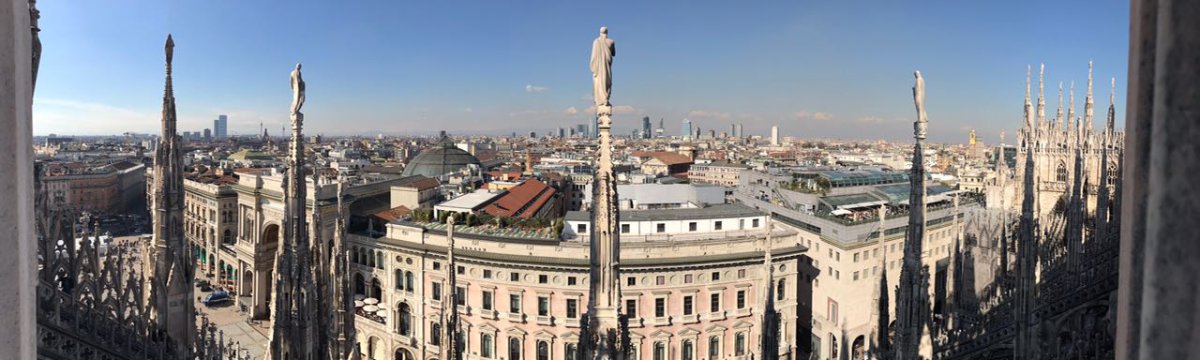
(919, 99)
(34, 15)
(603, 50)
(297, 90)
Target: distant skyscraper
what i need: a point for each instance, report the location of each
(775, 135)
(207, 134)
(592, 130)
(646, 127)
(739, 133)
(562, 133)
(221, 127)
(582, 130)
(686, 132)
(733, 130)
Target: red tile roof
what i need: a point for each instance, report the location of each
(523, 201)
(666, 157)
(393, 214)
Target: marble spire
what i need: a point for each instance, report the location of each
(769, 336)
(449, 318)
(296, 329)
(1088, 104)
(1071, 109)
(343, 341)
(604, 335)
(1041, 102)
(912, 296)
(1110, 127)
(171, 293)
(1025, 277)
(882, 313)
(1059, 116)
(1028, 104)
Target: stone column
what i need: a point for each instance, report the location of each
(17, 261)
(1158, 314)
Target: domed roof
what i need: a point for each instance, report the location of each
(441, 159)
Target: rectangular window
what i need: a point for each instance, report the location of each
(741, 273)
(543, 306)
(714, 302)
(855, 276)
(661, 228)
(514, 303)
(754, 223)
(461, 294)
(780, 294)
(581, 228)
(855, 257)
(572, 308)
(571, 280)
(687, 305)
(436, 291)
(462, 270)
(660, 280)
(631, 308)
(514, 276)
(660, 307)
(487, 274)
(717, 225)
(487, 300)
(716, 276)
(630, 281)
(542, 279)
(833, 309)
(437, 265)
(692, 226)
(687, 279)
(741, 299)
(624, 228)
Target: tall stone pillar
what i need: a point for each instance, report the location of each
(1158, 314)
(17, 261)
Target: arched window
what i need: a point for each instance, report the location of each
(408, 281)
(543, 350)
(370, 259)
(572, 351)
(779, 290)
(227, 237)
(435, 333)
(687, 350)
(1061, 173)
(359, 284)
(399, 280)
(379, 259)
(486, 347)
(514, 348)
(714, 347)
(405, 318)
(633, 352)
(739, 344)
(376, 289)
(660, 351)
(354, 258)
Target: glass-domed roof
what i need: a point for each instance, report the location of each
(441, 159)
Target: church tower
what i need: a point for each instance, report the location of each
(171, 295)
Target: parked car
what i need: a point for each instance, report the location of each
(217, 297)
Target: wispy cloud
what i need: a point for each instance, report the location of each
(817, 116)
(571, 111)
(705, 114)
(535, 88)
(869, 120)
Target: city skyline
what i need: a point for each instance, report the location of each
(393, 70)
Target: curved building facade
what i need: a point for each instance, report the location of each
(699, 296)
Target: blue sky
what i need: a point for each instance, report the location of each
(829, 69)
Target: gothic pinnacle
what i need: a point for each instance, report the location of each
(1041, 104)
(1059, 115)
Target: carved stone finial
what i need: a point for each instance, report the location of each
(170, 48)
(919, 127)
